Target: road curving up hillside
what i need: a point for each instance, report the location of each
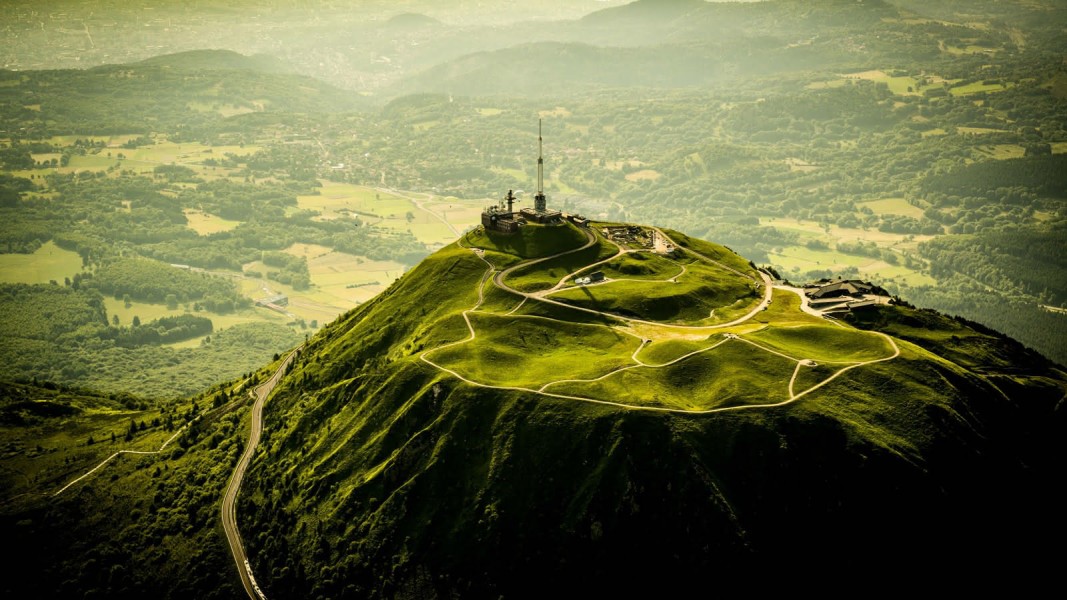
(229, 501)
(461, 435)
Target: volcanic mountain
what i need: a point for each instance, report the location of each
(598, 408)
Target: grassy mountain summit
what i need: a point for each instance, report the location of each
(492, 426)
(459, 435)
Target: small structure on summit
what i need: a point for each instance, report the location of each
(503, 219)
(843, 295)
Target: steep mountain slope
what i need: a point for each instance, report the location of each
(98, 502)
(460, 436)
(455, 436)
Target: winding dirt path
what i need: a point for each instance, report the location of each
(500, 276)
(541, 296)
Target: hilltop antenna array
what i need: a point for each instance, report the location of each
(539, 200)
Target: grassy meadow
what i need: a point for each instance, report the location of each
(48, 263)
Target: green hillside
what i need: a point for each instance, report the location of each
(116, 496)
(457, 436)
(189, 91)
(484, 451)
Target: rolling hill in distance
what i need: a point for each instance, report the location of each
(269, 222)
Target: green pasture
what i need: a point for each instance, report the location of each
(801, 259)
(660, 352)
(823, 343)
(315, 303)
(893, 206)
(689, 300)
(732, 374)
(167, 152)
(224, 110)
(530, 351)
(423, 226)
(206, 223)
(334, 198)
(460, 214)
(47, 263)
(544, 275)
(345, 280)
(979, 87)
(1005, 151)
(809, 376)
(641, 265)
(712, 251)
(785, 309)
(978, 130)
(142, 310)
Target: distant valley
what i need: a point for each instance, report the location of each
(190, 193)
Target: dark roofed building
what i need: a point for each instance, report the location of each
(838, 289)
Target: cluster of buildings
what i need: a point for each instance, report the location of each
(504, 219)
(844, 295)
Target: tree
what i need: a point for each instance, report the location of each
(172, 301)
(136, 321)
(115, 320)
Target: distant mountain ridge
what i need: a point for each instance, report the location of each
(219, 60)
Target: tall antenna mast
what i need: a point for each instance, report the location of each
(539, 200)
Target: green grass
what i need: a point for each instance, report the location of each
(47, 263)
(641, 265)
(662, 352)
(785, 309)
(713, 251)
(206, 223)
(946, 337)
(496, 300)
(46, 434)
(823, 343)
(691, 300)
(562, 312)
(335, 199)
(530, 352)
(532, 241)
(732, 374)
(893, 206)
(809, 376)
(977, 88)
(542, 276)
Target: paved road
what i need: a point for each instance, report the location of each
(229, 499)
